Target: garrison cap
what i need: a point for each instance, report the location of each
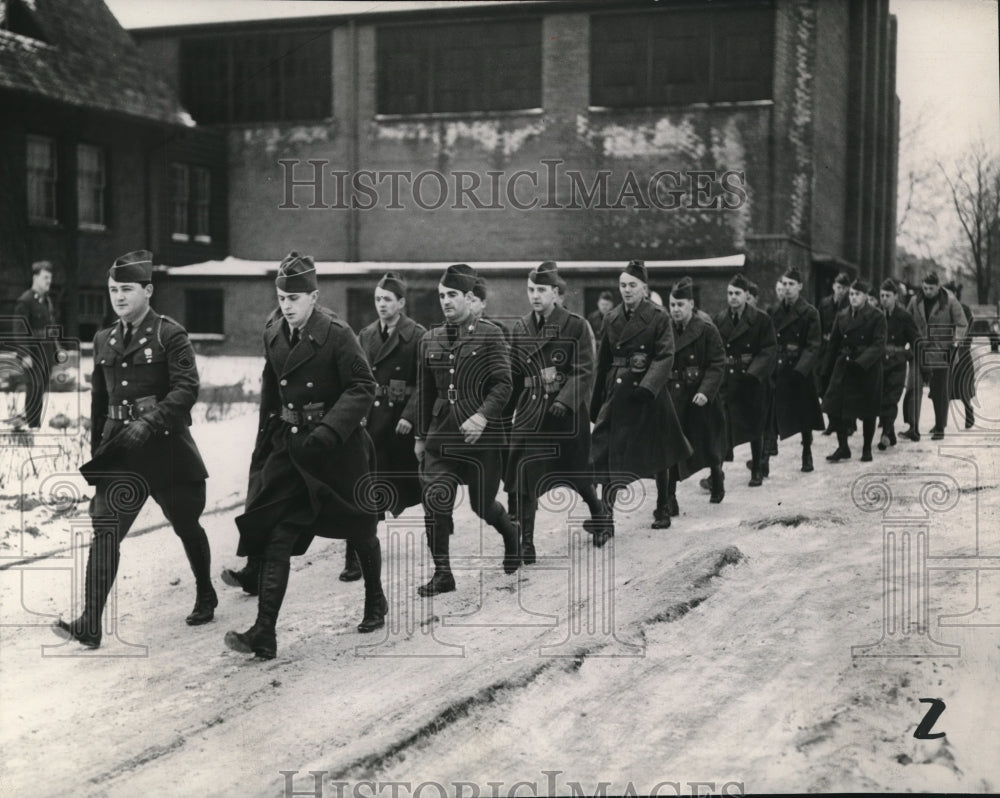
(793, 273)
(297, 274)
(741, 282)
(683, 289)
(637, 269)
(547, 273)
(459, 276)
(479, 288)
(393, 282)
(133, 267)
(843, 279)
(888, 284)
(861, 286)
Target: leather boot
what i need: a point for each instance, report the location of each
(102, 566)
(438, 539)
(247, 577)
(807, 459)
(260, 639)
(352, 565)
(369, 554)
(765, 466)
(200, 557)
(717, 481)
(497, 518)
(526, 520)
(842, 452)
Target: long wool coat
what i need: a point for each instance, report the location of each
(854, 363)
(750, 354)
(797, 333)
(900, 344)
(632, 436)
(314, 490)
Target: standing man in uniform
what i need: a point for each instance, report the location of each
(463, 384)
(797, 333)
(144, 385)
(942, 327)
(554, 350)
(854, 363)
(699, 366)
(900, 344)
(748, 337)
(391, 343)
(312, 450)
(829, 307)
(34, 306)
(962, 385)
(637, 433)
(605, 302)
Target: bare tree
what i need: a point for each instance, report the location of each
(974, 185)
(920, 192)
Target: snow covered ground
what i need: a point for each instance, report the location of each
(732, 649)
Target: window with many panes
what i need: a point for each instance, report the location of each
(201, 202)
(257, 77)
(180, 183)
(42, 176)
(91, 182)
(678, 56)
(190, 203)
(459, 67)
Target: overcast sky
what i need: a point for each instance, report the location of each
(947, 65)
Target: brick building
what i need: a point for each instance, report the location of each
(576, 131)
(95, 150)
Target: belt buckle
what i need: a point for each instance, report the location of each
(452, 395)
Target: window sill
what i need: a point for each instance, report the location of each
(55, 224)
(86, 227)
(628, 109)
(203, 239)
(180, 237)
(218, 337)
(458, 115)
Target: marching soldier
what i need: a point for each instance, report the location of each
(695, 381)
(797, 333)
(463, 383)
(391, 344)
(636, 430)
(900, 344)
(829, 307)
(34, 306)
(144, 385)
(962, 385)
(771, 427)
(942, 326)
(854, 363)
(605, 302)
(554, 350)
(748, 336)
(311, 452)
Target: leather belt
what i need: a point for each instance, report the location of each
(895, 348)
(131, 409)
(383, 390)
(309, 414)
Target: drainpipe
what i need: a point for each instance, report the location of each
(354, 223)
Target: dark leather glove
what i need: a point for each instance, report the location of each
(643, 394)
(558, 409)
(323, 437)
(134, 435)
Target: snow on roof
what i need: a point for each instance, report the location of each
(238, 267)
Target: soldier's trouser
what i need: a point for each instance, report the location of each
(35, 390)
(938, 383)
(939, 397)
(113, 510)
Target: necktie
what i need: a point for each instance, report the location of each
(128, 334)
(678, 329)
(736, 317)
(628, 314)
(452, 330)
(295, 336)
(539, 323)
(384, 332)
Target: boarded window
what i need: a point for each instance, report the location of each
(680, 56)
(459, 67)
(42, 176)
(257, 77)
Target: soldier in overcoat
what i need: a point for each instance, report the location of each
(900, 343)
(695, 382)
(942, 325)
(313, 456)
(854, 363)
(391, 343)
(771, 428)
(144, 385)
(829, 307)
(637, 432)
(554, 352)
(798, 337)
(35, 308)
(463, 384)
(748, 338)
(962, 385)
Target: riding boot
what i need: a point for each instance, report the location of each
(842, 452)
(661, 515)
(352, 565)
(261, 639)
(247, 577)
(525, 513)
(102, 567)
(497, 518)
(868, 434)
(807, 457)
(369, 553)
(717, 482)
(200, 556)
(756, 454)
(438, 539)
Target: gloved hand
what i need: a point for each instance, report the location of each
(558, 409)
(323, 437)
(134, 435)
(643, 394)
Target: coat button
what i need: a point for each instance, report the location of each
(377, 403)
(124, 365)
(283, 383)
(534, 397)
(166, 432)
(124, 382)
(309, 385)
(295, 429)
(290, 405)
(619, 379)
(450, 357)
(451, 371)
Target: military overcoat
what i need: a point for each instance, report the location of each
(750, 359)
(854, 363)
(900, 344)
(798, 337)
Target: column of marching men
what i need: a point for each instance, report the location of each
(353, 429)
